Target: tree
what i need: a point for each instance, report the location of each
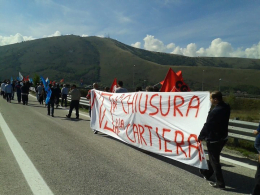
(36, 79)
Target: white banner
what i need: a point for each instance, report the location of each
(164, 123)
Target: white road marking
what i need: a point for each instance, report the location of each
(238, 163)
(32, 176)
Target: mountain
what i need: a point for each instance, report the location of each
(95, 59)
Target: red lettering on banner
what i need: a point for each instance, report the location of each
(141, 132)
(92, 103)
(123, 104)
(149, 128)
(196, 107)
(157, 110)
(136, 132)
(131, 103)
(178, 145)
(128, 135)
(198, 147)
(176, 106)
(101, 118)
(165, 140)
(168, 106)
(145, 107)
(160, 142)
(136, 101)
(106, 127)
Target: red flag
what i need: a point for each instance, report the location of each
(62, 80)
(173, 82)
(113, 86)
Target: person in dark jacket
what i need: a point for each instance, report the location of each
(18, 92)
(215, 133)
(25, 92)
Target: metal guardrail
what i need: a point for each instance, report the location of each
(242, 130)
(239, 130)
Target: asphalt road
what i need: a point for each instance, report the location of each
(56, 155)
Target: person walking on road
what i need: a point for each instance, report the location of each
(64, 95)
(25, 92)
(18, 92)
(51, 101)
(3, 89)
(75, 97)
(215, 133)
(39, 92)
(8, 91)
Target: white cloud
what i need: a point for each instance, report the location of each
(14, 39)
(56, 34)
(152, 44)
(136, 45)
(84, 35)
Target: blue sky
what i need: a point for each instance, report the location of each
(228, 28)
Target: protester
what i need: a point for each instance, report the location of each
(18, 92)
(107, 89)
(25, 92)
(64, 95)
(3, 88)
(256, 189)
(138, 88)
(57, 96)
(75, 97)
(215, 133)
(51, 101)
(120, 88)
(14, 89)
(149, 88)
(8, 91)
(95, 86)
(36, 90)
(39, 91)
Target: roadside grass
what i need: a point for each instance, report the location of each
(246, 115)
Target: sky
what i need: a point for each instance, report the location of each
(213, 28)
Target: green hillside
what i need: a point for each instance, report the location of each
(95, 59)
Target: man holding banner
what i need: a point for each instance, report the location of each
(215, 133)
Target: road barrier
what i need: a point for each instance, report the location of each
(242, 130)
(237, 129)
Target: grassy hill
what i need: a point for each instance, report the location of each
(95, 59)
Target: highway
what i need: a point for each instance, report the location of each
(40, 154)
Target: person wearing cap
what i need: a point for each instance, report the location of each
(64, 95)
(8, 91)
(75, 97)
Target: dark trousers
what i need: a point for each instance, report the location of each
(89, 110)
(64, 99)
(214, 150)
(57, 100)
(51, 104)
(18, 97)
(25, 99)
(74, 104)
(8, 97)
